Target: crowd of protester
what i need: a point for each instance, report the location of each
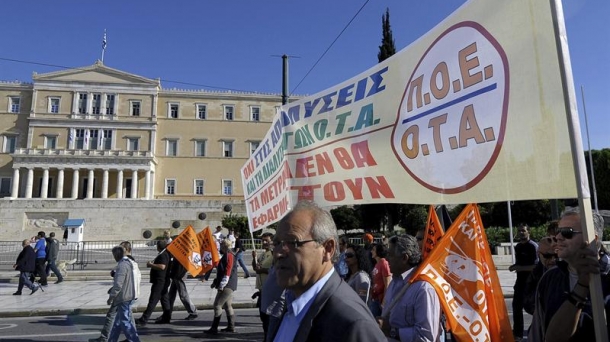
(313, 284)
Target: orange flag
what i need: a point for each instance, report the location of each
(434, 232)
(464, 276)
(208, 250)
(186, 248)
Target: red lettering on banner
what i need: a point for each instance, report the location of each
(274, 212)
(335, 191)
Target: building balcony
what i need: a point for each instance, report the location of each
(92, 153)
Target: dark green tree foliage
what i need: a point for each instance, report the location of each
(387, 47)
(237, 223)
(413, 217)
(372, 216)
(346, 218)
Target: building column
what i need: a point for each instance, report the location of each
(90, 185)
(29, 185)
(134, 184)
(119, 184)
(60, 184)
(44, 192)
(147, 185)
(15, 185)
(75, 184)
(105, 184)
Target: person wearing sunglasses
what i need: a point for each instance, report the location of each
(563, 303)
(318, 304)
(526, 258)
(359, 265)
(548, 259)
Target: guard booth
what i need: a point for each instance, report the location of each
(74, 227)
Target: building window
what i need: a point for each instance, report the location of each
(14, 104)
(172, 111)
(135, 108)
(53, 105)
(10, 144)
(106, 139)
(202, 111)
(50, 142)
(110, 104)
(255, 113)
(82, 103)
(92, 142)
(227, 187)
(171, 147)
(229, 112)
(227, 148)
(5, 187)
(199, 148)
(253, 146)
(170, 186)
(96, 104)
(80, 139)
(133, 144)
(198, 186)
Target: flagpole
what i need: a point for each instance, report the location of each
(584, 108)
(578, 161)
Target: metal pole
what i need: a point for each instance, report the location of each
(284, 79)
(584, 107)
(510, 229)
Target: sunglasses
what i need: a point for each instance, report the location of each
(548, 255)
(568, 232)
(349, 255)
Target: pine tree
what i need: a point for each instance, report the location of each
(387, 47)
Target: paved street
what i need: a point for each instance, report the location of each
(74, 310)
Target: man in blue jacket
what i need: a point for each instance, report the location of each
(25, 264)
(41, 258)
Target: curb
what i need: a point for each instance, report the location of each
(104, 310)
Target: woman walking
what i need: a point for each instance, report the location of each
(359, 266)
(226, 283)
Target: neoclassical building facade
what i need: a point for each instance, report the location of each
(97, 133)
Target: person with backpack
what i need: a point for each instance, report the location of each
(52, 253)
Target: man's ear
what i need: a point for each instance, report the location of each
(329, 249)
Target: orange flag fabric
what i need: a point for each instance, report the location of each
(434, 232)
(196, 252)
(462, 272)
(210, 254)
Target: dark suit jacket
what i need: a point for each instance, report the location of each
(336, 314)
(26, 260)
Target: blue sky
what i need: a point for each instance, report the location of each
(230, 44)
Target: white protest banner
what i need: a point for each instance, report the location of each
(473, 111)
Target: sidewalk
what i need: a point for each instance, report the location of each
(85, 293)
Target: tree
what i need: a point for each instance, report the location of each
(346, 218)
(387, 47)
(236, 223)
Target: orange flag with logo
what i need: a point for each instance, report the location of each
(434, 232)
(196, 252)
(209, 252)
(462, 272)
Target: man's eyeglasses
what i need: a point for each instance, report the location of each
(349, 255)
(568, 232)
(548, 255)
(290, 243)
